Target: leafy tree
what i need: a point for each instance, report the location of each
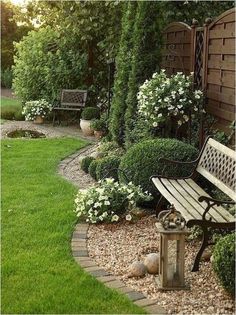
(94, 24)
(118, 106)
(10, 32)
(45, 63)
(145, 58)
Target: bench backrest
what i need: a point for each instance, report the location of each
(73, 98)
(218, 164)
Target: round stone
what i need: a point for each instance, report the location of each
(152, 263)
(137, 269)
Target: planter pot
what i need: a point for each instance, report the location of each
(85, 126)
(99, 134)
(38, 120)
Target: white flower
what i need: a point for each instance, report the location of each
(179, 122)
(115, 218)
(185, 117)
(195, 108)
(155, 124)
(128, 217)
(97, 204)
(107, 203)
(159, 115)
(100, 218)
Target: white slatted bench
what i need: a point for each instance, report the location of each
(71, 100)
(217, 163)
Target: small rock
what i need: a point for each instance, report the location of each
(137, 269)
(152, 263)
(206, 256)
(210, 309)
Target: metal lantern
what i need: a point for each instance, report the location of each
(172, 231)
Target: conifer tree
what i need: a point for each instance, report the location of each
(146, 42)
(123, 65)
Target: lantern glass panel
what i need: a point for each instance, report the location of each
(172, 268)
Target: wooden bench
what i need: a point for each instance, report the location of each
(217, 163)
(71, 100)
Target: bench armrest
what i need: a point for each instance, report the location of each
(211, 202)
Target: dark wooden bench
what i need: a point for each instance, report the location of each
(71, 100)
(217, 163)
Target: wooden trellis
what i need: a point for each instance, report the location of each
(209, 51)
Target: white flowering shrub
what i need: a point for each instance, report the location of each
(161, 98)
(32, 109)
(110, 201)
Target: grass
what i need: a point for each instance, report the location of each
(39, 275)
(11, 109)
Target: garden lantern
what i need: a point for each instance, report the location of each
(171, 227)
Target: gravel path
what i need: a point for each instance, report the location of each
(115, 246)
(47, 129)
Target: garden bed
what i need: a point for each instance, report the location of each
(115, 246)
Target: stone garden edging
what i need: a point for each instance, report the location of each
(81, 256)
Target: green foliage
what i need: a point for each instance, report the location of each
(108, 148)
(108, 167)
(90, 113)
(185, 11)
(93, 169)
(86, 161)
(118, 106)
(146, 41)
(10, 32)
(11, 109)
(45, 63)
(6, 78)
(224, 262)
(90, 26)
(141, 161)
(100, 124)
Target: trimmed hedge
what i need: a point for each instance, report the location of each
(92, 169)
(141, 161)
(86, 162)
(108, 167)
(224, 262)
(90, 113)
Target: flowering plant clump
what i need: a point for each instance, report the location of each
(109, 202)
(161, 98)
(32, 109)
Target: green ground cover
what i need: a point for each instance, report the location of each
(39, 274)
(11, 109)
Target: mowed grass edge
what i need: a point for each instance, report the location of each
(39, 274)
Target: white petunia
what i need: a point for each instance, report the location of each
(155, 124)
(115, 218)
(128, 217)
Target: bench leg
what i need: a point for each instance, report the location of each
(54, 117)
(205, 239)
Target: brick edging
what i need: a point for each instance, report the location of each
(81, 256)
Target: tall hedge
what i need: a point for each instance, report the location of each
(146, 42)
(118, 106)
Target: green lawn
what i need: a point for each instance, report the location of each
(39, 274)
(11, 109)
(6, 101)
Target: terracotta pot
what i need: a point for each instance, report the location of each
(99, 134)
(38, 120)
(85, 126)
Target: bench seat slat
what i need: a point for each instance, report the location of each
(217, 213)
(220, 210)
(162, 189)
(170, 185)
(193, 202)
(67, 108)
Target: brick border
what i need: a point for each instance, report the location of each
(81, 256)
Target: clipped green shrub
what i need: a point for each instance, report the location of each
(12, 112)
(92, 169)
(141, 161)
(90, 113)
(86, 162)
(108, 167)
(224, 262)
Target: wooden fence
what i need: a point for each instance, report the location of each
(209, 52)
